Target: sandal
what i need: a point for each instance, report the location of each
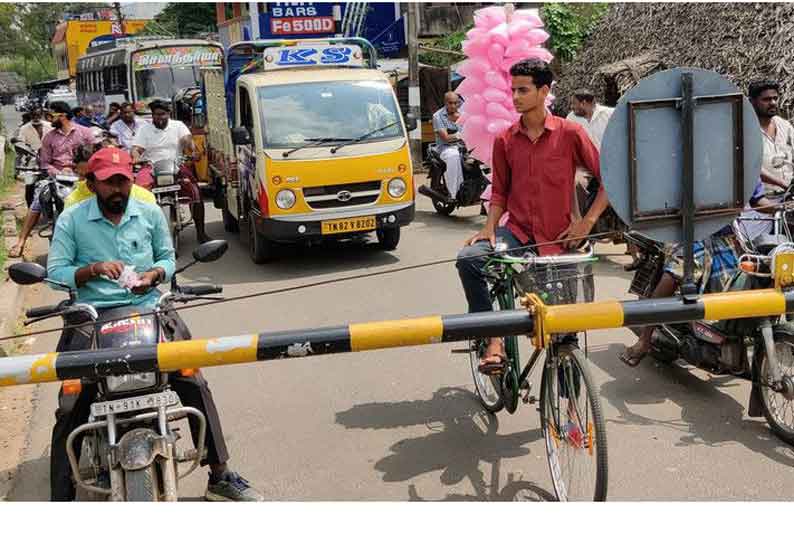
(493, 364)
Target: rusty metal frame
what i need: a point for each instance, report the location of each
(674, 214)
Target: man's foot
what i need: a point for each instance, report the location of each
(230, 486)
(494, 360)
(203, 238)
(634, 354)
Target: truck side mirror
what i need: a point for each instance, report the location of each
(410, 122)
(241, 135)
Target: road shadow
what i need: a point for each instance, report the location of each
(31, 480)
(293, 262)
(709, 416)
(463, 436)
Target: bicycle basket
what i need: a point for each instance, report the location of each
(556, 284)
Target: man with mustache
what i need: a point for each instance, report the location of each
(94, 240)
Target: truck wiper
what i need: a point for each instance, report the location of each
(315, 142)
(365, 136)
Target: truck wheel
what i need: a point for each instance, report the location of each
(230, 223)
(260, 249)
(388, 238)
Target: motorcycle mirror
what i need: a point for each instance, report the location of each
(26, 273)
(210, 251)
(241, 135)
(410, 122)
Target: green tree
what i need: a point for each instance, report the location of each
(569, 25)
(183, 20)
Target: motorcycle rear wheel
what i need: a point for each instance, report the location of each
(444, 209)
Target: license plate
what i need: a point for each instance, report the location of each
(131, 404)
(163, 189)
(346, 225)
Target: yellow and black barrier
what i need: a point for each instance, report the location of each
(540, 322)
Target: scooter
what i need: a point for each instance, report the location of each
(129, 444)
(759, 349)
(475, 181)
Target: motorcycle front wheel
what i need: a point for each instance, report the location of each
(778, 406)
(141, 485)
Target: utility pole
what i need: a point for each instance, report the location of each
(414, 102)
(119, 16)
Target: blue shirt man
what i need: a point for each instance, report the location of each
(95, 239)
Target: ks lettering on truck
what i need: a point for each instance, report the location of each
(288, 57)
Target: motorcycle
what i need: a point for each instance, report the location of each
(129, 450)
(167, 175)
(475, 181)
(26, 167)
(758, 349)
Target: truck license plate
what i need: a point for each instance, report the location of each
(142, 402)
(362, 223)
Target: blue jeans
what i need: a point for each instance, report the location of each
(470, 264)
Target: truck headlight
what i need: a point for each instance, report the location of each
(285, 199)
(397, 187)
(138, 381)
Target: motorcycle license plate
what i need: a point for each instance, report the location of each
(131, 404)
(363, 223)
(164, 189)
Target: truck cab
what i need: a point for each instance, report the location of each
(316, 148)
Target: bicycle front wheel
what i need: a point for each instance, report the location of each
(573, 427)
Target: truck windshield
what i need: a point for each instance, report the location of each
(340, 110)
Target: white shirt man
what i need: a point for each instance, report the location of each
(779, 150)
(593, 116)
(29, 135)
(161, 144)
(445, 120)
(125, 133)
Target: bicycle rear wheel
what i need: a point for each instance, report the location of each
(573, 427)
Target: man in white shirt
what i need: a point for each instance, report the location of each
(166, 139)
(777, 136)
(127, 126)
(34, 131)
(590, 114)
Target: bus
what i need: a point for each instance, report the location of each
(141, 69)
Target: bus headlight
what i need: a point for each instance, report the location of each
(397, 188)
(285, 199)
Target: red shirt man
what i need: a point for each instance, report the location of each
(534, 163)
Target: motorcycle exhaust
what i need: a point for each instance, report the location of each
(432, 194)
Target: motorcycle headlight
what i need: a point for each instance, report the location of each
(123, 383)
(397, 187)
(285, 199)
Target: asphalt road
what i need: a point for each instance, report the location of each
(405, 424)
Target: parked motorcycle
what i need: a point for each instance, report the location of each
(474, 182)
(129, 450)
(760, 349)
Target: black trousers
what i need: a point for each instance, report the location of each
(73, 411)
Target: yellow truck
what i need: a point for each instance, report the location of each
(306, 142)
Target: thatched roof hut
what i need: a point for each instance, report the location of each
(744, 42)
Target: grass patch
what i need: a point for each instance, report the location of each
(7, 182)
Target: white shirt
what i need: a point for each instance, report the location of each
(597, 125)
(126, 134)
(783, 146)
(161, 144)
(29, 135)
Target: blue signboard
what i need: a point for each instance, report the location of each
(381, 24)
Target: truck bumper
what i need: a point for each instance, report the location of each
(309, 227)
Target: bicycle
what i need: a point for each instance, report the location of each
(574, 431)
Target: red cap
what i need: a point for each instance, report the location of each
(110, 161)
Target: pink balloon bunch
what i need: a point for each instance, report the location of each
(496, 42)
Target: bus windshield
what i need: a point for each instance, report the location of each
(163, 71)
